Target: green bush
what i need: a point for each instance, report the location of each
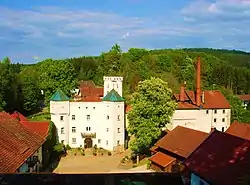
(94, 153)
(58, 148)
(109, 153)
(148, 164)
(68, 147)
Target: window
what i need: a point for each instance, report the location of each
(117, 86)
(118, 118)
(62, 141)
(99, 141)
(79, 107)
(107, 117)
(107, 142)
(73, 140)
(88, 117)
(107, 129)
(223, 119)
(62, 130)
(207, 111)
(215, 111)
(118, 130)
(86, 107)
(61, 118)
(94, 108)
(73, 129)
(118, 106)
(215, 120)
(108, 86)
(118, 142)
(222, 129)
(73, 117)
(87, 128)
(113, 86)
(224, 111)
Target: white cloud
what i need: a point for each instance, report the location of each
(62, 32)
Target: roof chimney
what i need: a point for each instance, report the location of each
(198, 82)
(182, 93)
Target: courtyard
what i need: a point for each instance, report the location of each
(95, 164)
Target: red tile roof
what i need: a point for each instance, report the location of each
(244, 97)
(221, 159)
(127, 108)
(162, 159)
(213, 100)
(239, 129)
(89, 92)
(88, 88)
(17, 143)
(39, 127)
(19, 116)
(182, 141)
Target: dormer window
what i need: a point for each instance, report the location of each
(215, 111)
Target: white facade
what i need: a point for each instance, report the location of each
(203, 120)
(112, 82)
(91, 123)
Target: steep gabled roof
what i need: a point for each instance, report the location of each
(221, 159)
(39, 127)
(18, 116)
(239, 129)
(181, 141)
(59, 96)
(113, 96)
(17, 143)
(213, 100)
(244, 97)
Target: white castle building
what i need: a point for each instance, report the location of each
(95, 116)
(201, 110)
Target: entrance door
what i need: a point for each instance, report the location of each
(88, 143)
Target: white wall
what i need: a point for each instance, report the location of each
(98, 123)
(201, 119)
(112, 82)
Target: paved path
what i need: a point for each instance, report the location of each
(94, 164)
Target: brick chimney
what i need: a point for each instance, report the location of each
(198, 82)
(182, 93)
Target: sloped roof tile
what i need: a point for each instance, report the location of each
(17, 143)
(241, 130)
(182, 141)
(113, 96)
(59, 96)
(221, 159)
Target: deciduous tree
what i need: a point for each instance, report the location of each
(152, 109)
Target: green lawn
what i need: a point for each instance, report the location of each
(41, 116)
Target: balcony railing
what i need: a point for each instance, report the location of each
(88, 135)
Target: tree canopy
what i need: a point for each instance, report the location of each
(223, 69)
(152, 109)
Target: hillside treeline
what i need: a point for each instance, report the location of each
(21, 85)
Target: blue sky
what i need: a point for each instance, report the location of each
(33, 30)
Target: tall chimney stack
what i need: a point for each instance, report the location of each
(182, 93)
(198, 82)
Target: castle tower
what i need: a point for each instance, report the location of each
(112, 82)
(59, 110)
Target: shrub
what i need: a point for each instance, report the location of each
(109, 153)
(123, 160)
(95, 146)
(58, 148)
(68, 147)
(148, 164)
(79, 148)
(82, 153)
(94, 153)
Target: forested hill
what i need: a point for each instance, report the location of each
(20, 84)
